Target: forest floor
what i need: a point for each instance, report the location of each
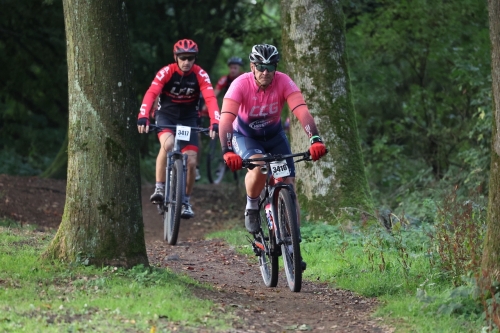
(235, 278)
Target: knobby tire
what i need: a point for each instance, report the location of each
(172, 216)
(268, 262)
(289, 229)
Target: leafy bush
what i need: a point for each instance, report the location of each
(424, 110)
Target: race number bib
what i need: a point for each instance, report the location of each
(183, 133)
(279, 169)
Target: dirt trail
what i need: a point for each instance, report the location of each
(236, 279)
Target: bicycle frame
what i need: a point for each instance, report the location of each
(172, 155)
(274, 185)
(272, 188)
(282, 236)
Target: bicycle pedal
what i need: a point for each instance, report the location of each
(258, 248)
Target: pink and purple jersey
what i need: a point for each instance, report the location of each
(259, 114)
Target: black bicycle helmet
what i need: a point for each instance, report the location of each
(235, 61)
(264, 54)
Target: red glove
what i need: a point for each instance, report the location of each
(233, 161)
(317, 150)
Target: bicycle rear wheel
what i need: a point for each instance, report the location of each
(268, 260)
(290, 247)
(215, 163)
(172, 216)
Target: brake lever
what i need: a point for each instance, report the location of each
(305, 157)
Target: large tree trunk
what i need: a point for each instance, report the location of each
(491, 253)
(314, 50)
(102, 221)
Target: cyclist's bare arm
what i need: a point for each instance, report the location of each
(230, 111)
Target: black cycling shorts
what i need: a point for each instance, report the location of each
(161, 119)
(247, 147)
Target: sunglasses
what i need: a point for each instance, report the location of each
(188, 58)
(261, 67)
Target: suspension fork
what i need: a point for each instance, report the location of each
(184, 176)
(171, 157)
(170, 160)
(273, 197)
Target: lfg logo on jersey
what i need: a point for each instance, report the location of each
(161, 73)
(264, 110)
(182, 91)
(204, 75)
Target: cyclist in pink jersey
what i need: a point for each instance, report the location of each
(250, 123)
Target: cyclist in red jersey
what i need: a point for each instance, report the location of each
(250, 124)
(178, 86)
(235, 65)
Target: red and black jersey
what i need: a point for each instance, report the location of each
(179, 93)
(224, 82)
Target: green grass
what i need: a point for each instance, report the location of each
(399, 269)
(37, 296)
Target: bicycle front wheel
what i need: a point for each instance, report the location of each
(268, 259)
(172, 217)
(290, 247)
(215, 163)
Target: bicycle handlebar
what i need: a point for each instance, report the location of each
(247, 163)
(157, 128)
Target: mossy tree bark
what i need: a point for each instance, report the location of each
(491, 253)
(102, 221)
(313, 33)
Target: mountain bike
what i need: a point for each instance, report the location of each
(175, 186)
(216, 168)
(279, 233)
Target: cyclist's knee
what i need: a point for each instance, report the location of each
(255, 180)
(191, 160)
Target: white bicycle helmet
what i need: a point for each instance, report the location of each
(264, 54)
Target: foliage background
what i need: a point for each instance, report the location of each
(420, 75)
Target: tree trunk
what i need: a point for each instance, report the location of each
(102, 221)
(59, 166)
(314, 50)
(491, 253)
